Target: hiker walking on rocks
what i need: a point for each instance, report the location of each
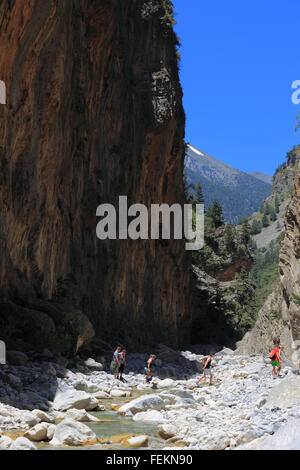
(122, 361)
(207, 368)
(115, 363)
(275, 356)
(148, 368)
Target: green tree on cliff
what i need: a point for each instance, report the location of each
(277, 204)
(246, 230)
(199, 194)
(229, 238)
(272, 214)
(265, 220)
(256, 227)
(215, 213)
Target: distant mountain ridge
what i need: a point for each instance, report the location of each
(261, 176)
(239, 193)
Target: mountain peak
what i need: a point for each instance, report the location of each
(239, 193)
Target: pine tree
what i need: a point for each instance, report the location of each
(215, 213)
(229, 238)
(265, 221)
(246, 231)
(267, 209)
(199, 194)
(272, 214)
(277, 204)
(256, 227)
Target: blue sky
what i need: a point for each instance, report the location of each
(239, 59)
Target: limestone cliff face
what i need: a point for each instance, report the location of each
(283, 179)
(270, 326)
(94, 111)
(289, 269)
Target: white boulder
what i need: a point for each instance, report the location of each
(143, 403)
(80, 415)
(22, 444)
(5, 442)
(70, 432)
(150, 415)
(38, 432)
(74, 399)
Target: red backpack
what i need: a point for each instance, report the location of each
(273, 354)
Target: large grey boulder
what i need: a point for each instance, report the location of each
(70, 432)
(38, 432)
(143, 403)
(286, 438)
(80, 415)
(74, 399)
(29, 418)
(285, 394)
(150, 416)
(42, 416)
(22, 444)
(93, 365)
(166, 383)
(5, 442)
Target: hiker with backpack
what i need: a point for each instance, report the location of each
(275, 356)
(122, 361)
(207, 368)
(115, 363)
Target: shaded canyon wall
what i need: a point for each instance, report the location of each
(94, 111)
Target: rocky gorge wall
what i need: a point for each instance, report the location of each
(279, 317)
(94, 111)
(289, 271)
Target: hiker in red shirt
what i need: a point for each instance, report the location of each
(275, 356)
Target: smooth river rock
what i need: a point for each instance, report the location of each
(70, 432)
(74, 399)
(143, 403)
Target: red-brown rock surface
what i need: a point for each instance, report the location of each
(93, 111)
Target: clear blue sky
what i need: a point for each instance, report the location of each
(239, 59)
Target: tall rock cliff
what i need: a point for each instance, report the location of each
(279, 318)
(94, 111)
(289, 269)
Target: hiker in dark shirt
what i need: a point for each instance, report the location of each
(207, 368)
(115, 363)
(122, 361)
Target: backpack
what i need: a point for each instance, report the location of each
(272, 355)
(203, 361)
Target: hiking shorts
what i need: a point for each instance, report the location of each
(207, 371)
(275, 363)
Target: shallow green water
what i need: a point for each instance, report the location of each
(112, 425)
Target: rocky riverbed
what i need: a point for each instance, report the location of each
(48, 405)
